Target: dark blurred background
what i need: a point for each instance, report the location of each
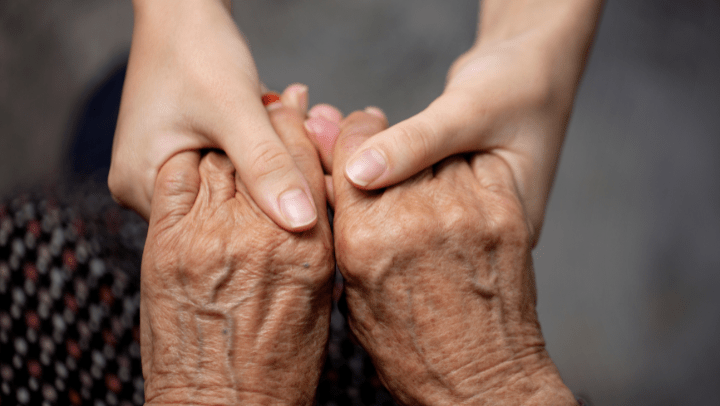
(628, 265)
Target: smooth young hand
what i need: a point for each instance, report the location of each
(511, 94)
(191, 84)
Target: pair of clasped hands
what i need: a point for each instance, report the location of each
(435, 219)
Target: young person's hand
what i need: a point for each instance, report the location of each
(511, 94)
(192, 83)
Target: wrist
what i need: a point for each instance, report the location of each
(529, 379)
(568, 21)
(532, 380)
(195, 397)
(157, 10)
(552, 34)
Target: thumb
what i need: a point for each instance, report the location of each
(444, 128)
(265, 165)
(356, 129)
(176, 188)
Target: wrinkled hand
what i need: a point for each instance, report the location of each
(234, 309)
(191, 84)
(439, 281)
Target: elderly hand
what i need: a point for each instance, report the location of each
(439, 281)
(191, 84)
(234, 309)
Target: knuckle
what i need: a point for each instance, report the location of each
(217, 162)
(415, 138)
(270, 161)
(299, 260)
(506, 224)
(285, 114)
(355, 117)
(361, 123)
(367, 249)
(315, 264)
(358, 250)
(465, 221)
(175, 183)
(455, 217)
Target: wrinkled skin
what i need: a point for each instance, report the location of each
(234, 309)
(439, 281)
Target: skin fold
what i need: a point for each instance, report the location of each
(234, 309)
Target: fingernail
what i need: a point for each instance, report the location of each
(375, 111)
(270, 98)
(313, 126)
(297, 208)
(366, 168)
(327, 112)
(298, 97)
(324, 131)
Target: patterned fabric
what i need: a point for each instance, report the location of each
(69, 309)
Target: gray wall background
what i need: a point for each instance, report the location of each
(628, 265)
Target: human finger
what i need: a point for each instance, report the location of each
(296, 97)
(176, 188)
(323, 133)
(326, 111)
(445, 128)
(217, 179)
(323, 127)
(268, 170)
(356, 129)
(286, 116)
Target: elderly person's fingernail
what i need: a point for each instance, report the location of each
(298, 97)
(297, 208)
(367, 167)
(314, 126)
(375, 111)
(326, 111)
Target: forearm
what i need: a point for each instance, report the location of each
(566, 25)
(537, 51)
(168, 6)
(201, 344)
(556, 35)
(535, 382)
(174, 20)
